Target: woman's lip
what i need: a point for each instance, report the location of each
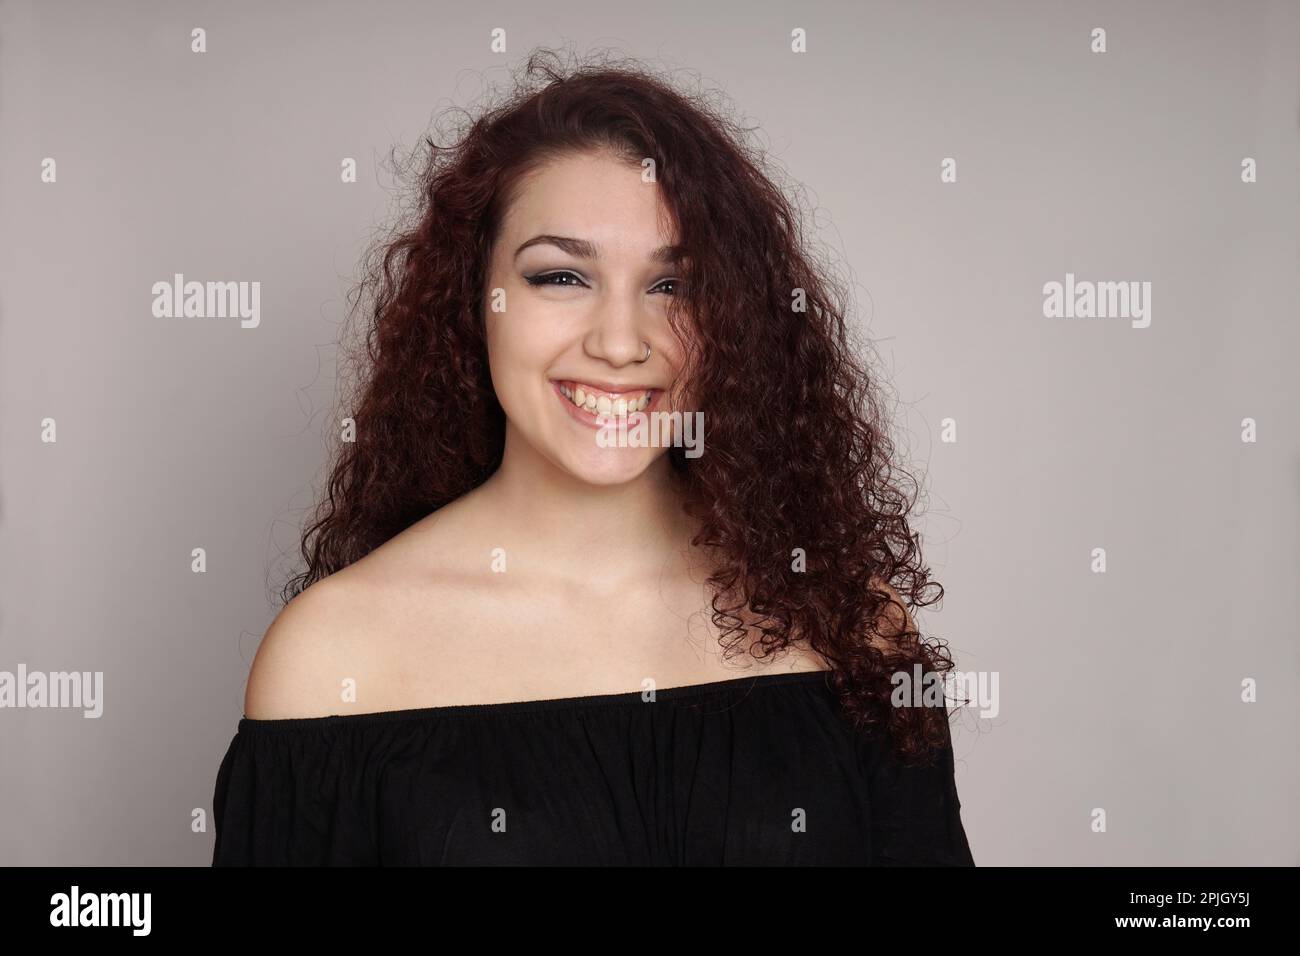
(610, 391)
(594, 419)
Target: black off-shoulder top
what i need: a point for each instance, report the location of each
(757, 770)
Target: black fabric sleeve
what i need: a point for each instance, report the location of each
(915, 811)
(295, 797)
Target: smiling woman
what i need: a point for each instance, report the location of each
(515, 643)
(584, 270)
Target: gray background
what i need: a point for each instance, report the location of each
(1118, 691)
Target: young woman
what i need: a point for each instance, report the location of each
(520, 638)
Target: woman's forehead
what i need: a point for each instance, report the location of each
(601, 201)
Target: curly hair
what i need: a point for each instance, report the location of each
(798, 498)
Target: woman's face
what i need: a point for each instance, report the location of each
(580, 282)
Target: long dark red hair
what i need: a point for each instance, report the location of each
(798, 460)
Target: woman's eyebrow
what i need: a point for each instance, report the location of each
(584, 249)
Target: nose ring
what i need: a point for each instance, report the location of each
(646, 357)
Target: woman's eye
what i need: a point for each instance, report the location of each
(571, 280)
(549, 278)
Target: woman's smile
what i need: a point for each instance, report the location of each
(596, 405)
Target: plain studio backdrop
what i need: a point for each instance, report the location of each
(1175, 447)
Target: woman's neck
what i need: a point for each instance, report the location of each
(601, 534)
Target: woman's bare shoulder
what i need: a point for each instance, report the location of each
(338, 647)
(315, 645)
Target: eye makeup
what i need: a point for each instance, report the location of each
(564, 278)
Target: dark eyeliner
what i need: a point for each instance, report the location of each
(540, 279)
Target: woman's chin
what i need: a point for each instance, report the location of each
(606, 466)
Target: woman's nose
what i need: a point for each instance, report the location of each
(616, 333)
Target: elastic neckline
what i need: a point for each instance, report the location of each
(662, 694)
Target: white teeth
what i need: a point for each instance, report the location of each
(620, 406)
